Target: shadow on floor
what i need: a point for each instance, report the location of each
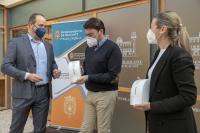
(53, 130)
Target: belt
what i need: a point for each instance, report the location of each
(40, 86)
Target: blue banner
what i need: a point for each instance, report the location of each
(67, 35)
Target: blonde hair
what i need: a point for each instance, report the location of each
(176, 32)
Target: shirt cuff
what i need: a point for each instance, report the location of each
(26, 75)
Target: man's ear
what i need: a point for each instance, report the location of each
(101, 31)
(30, 25)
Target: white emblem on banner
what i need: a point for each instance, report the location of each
(70, 106)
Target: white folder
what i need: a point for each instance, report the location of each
(140, 92)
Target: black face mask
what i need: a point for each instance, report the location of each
(40, 32)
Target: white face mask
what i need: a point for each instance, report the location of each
(151, 37)
(91, 42)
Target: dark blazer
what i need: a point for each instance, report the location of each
(19, 60)
(172, 93)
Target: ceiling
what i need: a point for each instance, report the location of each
(12, 3)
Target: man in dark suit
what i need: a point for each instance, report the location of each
(30, 61)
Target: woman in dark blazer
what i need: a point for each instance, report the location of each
(171, 73)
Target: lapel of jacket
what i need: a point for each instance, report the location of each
(158, 69)
(29, 47)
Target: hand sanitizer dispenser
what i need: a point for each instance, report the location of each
(140, 92)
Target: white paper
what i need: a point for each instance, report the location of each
(140, 92)
(74, 70)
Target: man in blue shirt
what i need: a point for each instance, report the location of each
(30, 61)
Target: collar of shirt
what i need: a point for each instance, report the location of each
(32, 39)
(101, 42)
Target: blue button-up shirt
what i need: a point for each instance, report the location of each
(41, 59)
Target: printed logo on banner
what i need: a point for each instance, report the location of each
(70, 105)
(57, 34)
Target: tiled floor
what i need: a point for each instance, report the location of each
(5, 119)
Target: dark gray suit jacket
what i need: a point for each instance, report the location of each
(19, 60)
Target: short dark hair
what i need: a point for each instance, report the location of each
(32, 18)
(95, 23)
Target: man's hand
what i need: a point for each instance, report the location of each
(82, 79)
(56, 73)
(142, 107)
(34, 77)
